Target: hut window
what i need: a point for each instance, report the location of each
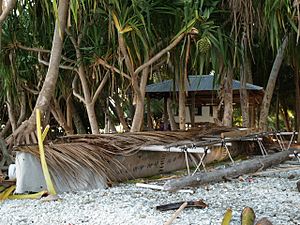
(211, 110)
(198, 111)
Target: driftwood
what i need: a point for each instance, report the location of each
(245, 167)
(171, 206)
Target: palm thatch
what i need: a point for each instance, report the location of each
(68, 156)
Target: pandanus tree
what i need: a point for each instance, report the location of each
(215, 52)
(198, 48)
(279, 23)
(294, 62)
(87, 47)
(21, 76)
(6, 61)
(242, 31)
(225, 74)
(139, 49)
(25, 132)
(88, 98)
(121, 43)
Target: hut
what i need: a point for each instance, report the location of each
(203, 103)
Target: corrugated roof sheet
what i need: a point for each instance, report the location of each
(197, 83)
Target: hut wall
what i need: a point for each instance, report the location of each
(206, 115)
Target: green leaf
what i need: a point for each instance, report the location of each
(74, 9)
(227, 217)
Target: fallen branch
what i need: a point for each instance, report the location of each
(171, 206)
(245, 167)
(174, 216)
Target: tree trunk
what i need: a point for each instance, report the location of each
(10, 4)
(23, 133)
(244, 74)
(80, 128)
(248, 70)
(1, 11)
(149, 116)
(90, 109)
(109, 126)
(181, 96)
(165, 115)
(265, 106)
(228, 107)
(192, 109)
(297, 101)
(139, 96)
(138, 118)
(11, 111)
(22, 108)
(244, 99)
(120, 113)
(244, 167)
(112, 127)
(5, 131)
(285, 116)
(277, 112)
(70, 108)
(138, 115)
(139, 87)
(183, 75)
(171, 115)
(87, 99)
(59, 116)
(181, 113)
(252, 116)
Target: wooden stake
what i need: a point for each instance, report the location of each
(174, 216)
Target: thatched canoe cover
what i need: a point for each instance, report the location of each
(68, 156)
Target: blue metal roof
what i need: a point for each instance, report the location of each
(197, 83)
